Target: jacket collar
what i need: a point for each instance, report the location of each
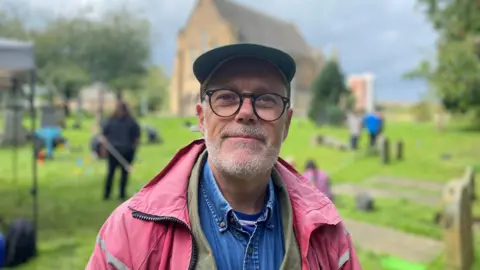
(166, 193)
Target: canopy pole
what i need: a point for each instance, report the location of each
(14, 103)
(33, 121)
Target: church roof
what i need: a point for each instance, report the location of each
(257, 27)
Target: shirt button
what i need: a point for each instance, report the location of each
(222, 224)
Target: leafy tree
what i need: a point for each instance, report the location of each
(12, 27)
(117, 49)
(155, 85)
(327, 88)
(454, 76)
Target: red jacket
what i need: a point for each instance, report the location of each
(152, 230)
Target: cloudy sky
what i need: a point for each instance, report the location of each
(385, 37)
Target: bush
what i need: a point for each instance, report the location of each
(422, 112)
(330, 115)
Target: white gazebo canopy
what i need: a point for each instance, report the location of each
(16, 57)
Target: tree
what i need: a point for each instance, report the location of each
(327, 88)
(154, 90)
(118, 48)
(454, 76)
(74, 51)
(155, 85)
(12, 26)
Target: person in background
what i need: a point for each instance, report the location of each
(355, 125)
(318, 177)
(374, 124)
(122, 132)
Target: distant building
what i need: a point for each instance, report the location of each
(92, 95)
(215, 23)
(362, 87)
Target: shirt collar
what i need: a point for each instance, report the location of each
(221, 209)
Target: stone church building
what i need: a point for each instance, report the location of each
(216, 23)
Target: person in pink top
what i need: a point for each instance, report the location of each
(318, 178)
(228, 201)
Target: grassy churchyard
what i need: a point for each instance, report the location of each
(408, 192)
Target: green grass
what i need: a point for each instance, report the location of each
(71, 209)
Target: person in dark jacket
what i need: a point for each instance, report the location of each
(122, 133)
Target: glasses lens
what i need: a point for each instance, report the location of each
(224, 102)
(269, 107)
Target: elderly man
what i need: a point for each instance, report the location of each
(229, 202)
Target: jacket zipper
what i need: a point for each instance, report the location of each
(147, 217)
(319, 262)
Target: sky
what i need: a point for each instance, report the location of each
(384, 37)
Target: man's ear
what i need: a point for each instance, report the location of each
(287, 123)
(201, 117)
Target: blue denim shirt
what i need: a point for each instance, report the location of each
(232, 246)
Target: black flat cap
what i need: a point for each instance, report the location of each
(208, 62)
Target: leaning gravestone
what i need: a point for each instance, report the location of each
(364, 202)
(14, 132)
(456, 221)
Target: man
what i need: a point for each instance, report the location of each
(374, 125)
(229, 202)
(355, 124)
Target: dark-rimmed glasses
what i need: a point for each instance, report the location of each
(226, 103)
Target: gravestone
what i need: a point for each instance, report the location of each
(469, 177)
(317, 140)
(364, 202)
(14, 134)
(153, 136)
(52, 117)
(399, 150)
(384, 150)
(194, 128)
(456, 222)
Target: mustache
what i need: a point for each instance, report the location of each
(245, 131)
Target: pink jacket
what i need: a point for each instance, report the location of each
(152, 230)
(321, 182)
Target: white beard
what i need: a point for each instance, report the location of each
(256, 162)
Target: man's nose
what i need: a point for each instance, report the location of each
(246, 112)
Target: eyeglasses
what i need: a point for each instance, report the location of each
(268, 107)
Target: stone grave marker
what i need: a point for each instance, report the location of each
(52, 117)
(469, 177)
(384, 150)
(364, 202)
(456, 221)
(317, 140)
(399, 149)
(14, 134)
(194, 128)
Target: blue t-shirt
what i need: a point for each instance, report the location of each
(373, 123)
